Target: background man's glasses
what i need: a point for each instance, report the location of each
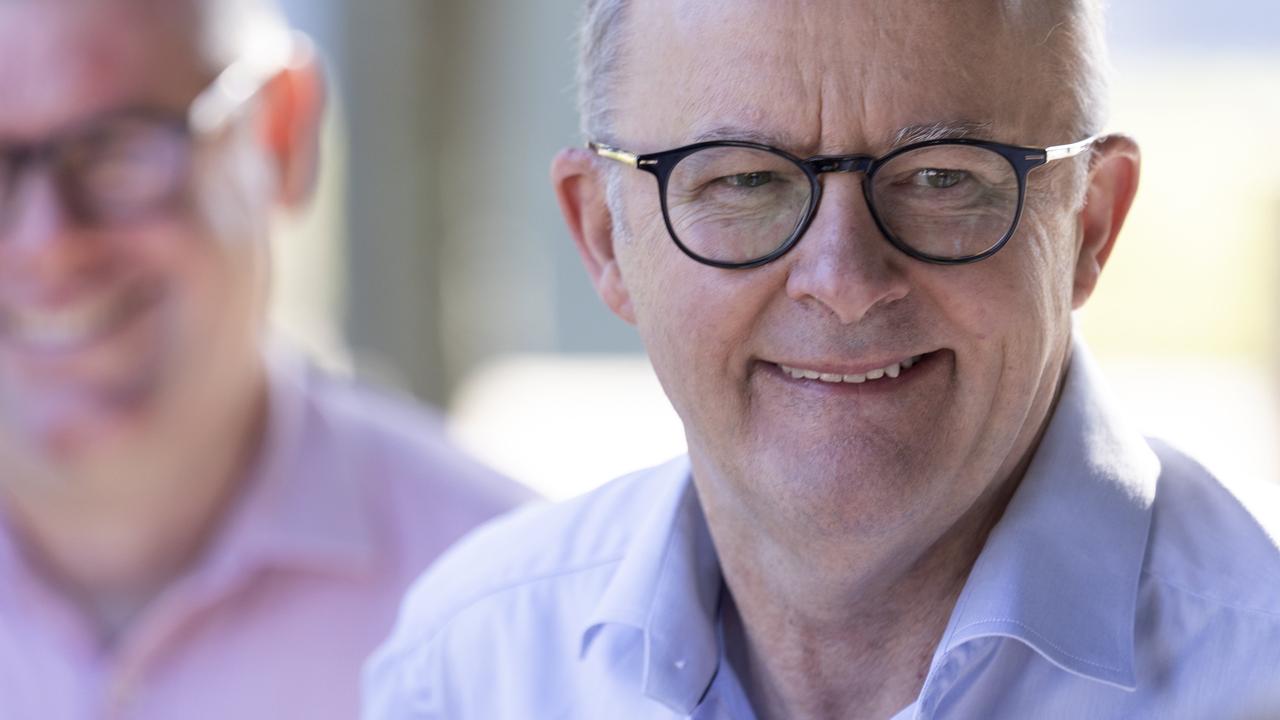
(129, 164)
(734, 204)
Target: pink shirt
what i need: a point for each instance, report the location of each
(353, 496)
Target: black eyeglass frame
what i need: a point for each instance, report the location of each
(212, 110)
(1022, 159)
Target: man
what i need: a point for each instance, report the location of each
(905, 495)
(190, 526)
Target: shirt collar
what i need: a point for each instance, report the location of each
(1060, 570)
(302, 505)
(667, 586)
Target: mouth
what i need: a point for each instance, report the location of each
(69, 327)
(890, 371)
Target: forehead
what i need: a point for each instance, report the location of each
(828, 75)
(64, 60)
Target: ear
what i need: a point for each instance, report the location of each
(295, 101)
(1113, 181)
(580, 189)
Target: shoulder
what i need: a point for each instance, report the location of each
(555, 559)
(415, 492)
(1215, 543)
(400, 445)
(517, 588)
(541, 546)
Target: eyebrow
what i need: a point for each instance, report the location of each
(941, 131)
(903, 136)
(745, 134)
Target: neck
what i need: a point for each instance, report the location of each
(845, 632)
(113, 536)
(821, 625)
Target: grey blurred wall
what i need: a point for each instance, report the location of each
(454, 250)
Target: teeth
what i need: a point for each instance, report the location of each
(891, 371)
(63, 327)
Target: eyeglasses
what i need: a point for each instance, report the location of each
(130, 163)
(733, 204)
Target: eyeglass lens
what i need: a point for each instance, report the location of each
(112, 172)
(737, 205)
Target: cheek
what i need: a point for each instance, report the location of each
(695, 321)
(1024, 291)
(213, 284)
(230, 193)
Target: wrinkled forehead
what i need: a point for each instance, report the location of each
(64, 60)
(839, 75)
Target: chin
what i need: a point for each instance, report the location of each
(73, 438)
(844, 491)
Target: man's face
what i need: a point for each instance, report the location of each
(112, 333)
(839, 77)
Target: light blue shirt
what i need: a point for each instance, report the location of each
(1123, 581)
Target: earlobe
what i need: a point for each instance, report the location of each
(1112, 184)
(296, 101)
(581, 192)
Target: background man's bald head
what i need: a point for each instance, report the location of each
(219, 30)
(1072, 30)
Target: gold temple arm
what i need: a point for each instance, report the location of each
(612, 153)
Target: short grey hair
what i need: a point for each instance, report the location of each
(1084, 50)
(599, 57)
(1077, 35)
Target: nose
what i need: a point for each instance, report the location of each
(843, 262)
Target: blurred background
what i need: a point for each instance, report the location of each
(435, 260)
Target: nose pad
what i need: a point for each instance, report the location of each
(844, 263)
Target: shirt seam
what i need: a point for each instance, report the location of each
(1210, 598)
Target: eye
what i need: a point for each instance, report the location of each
(749, 180)
(939, 179)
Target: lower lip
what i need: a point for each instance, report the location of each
(927, 365)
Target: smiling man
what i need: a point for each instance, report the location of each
(191, 526)
(851, 236)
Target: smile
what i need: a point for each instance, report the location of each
(890, 371)
(71, 326)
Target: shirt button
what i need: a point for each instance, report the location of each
(680, 664)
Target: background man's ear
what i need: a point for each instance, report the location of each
(580, 189)
(1113, 182)
(295, 101)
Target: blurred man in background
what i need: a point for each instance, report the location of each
(191, 525)
(851, 236)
